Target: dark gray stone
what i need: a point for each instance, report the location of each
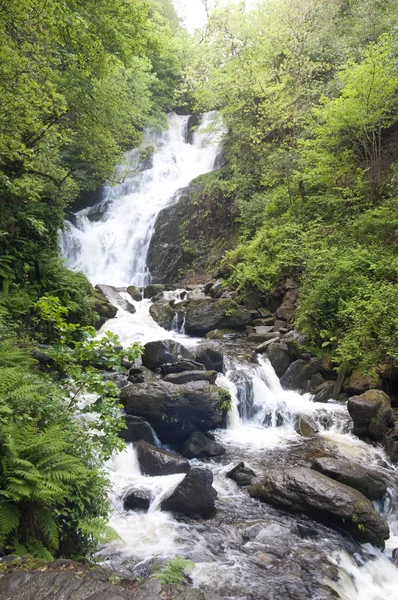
(188, 376)
(175, 411)
(180, 366)
(206, 315)
(299, 372)
(200, 446)
(371, 413)
(194, 495)
(158, 353)
(135, 293)
(137, 429)
(370, 482)
(324, 392)
(163, 314)
(137, 499)
(305, 490)
(305, 426)
(155, 461)
(242, 475)
(211, 356)
(152, 290)
(279, 357)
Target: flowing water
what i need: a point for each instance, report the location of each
(249, 550)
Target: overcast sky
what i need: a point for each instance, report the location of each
(193, 12)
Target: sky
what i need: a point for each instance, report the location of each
(193, 12)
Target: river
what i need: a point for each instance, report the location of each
(249, 550)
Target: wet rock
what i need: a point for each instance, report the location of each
(395, 556)
(217, 289)
(200, 446)
(158, 353)
(152, 290)
(241, 474)
(137, 429)
(136, 375)
(211, 356)
(216, 334)
(358, 383)
(103, 307)
(279, 357)
(175, 411)
(135, 293)
(286, 311)
(295, 340)
(324, 392)
(263, 347)
(163, 314)
(262, 334)
(194, 495)
(305, 490)
(280, 325)
(370, 482)
(137, 499)
(305, 426)
(181, 366)
(188, 376)
(56, 584)
(206, 315)
(371, 413)
(155, 461)
(112, 294)
(299, 372)
(266, 322)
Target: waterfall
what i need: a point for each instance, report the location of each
(113, 249)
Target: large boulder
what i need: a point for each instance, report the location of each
(103, 307)
(359, 382)
(188, 376)
(135, 293)
(137, 429)
(211, 356)
(305, 490)
(194, 495)
(300, 372)
(262, 334)
(279, 357)
(200, 446)
(158, 353)
(137, 499)
(153, 289)
(163, 314)
(242, 475)
(203, 316)
(155, 461)
(370, 482)
(176, 411)
(305, 426)
(324, 391)
(371, 413)
(181, 366)
(112, 294)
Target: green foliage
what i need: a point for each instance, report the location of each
(175, 571)
(225, 400)
(308, 91)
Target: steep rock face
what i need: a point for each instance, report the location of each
(304, 490)
(175, 411)
(191, 235)
(203, 316)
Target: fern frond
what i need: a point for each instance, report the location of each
(9, 517)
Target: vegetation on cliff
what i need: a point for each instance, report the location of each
(308, 91)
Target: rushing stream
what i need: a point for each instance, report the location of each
(248, 550)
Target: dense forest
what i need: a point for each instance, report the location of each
(308, 91)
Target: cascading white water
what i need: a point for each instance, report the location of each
(114, 249)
